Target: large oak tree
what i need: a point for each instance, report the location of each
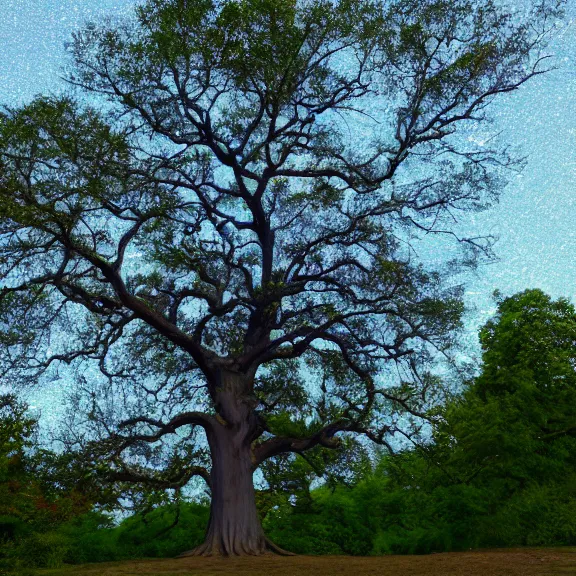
(221, 230)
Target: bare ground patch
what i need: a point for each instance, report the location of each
(513, 562)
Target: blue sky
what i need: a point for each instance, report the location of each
(536, 217)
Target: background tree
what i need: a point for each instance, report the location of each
(501, 471)
(16, 433)
(32, 501)
(526, 393)
(227, 248)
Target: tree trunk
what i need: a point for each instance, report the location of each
(234, 528)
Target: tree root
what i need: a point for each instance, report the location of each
(277, 550)
(208, 549)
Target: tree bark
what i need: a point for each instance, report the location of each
(234, 528)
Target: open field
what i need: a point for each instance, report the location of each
(514, 562)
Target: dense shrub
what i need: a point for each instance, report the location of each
(149, 536)
(43, 550)
(93, 538)
(332, 524)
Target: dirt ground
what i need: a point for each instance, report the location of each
(514, 562)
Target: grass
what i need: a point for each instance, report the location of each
(513, 562)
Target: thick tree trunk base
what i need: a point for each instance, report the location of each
(234, 528)
(211, 549)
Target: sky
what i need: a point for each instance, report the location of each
(536, 217)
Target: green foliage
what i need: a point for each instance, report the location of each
(47, 550)
(284, 424)
(29, 500)
(148, 536)
(334, 523)
(34, 501)
(92, 538)
(16, 431)
(501, 470)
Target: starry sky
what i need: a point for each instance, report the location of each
(536, 218)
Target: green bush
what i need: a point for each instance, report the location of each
(15, 567)
(148, 536)
(43, 550)
(538, 516)
(93, 539)
(12, 528)
(332, 524)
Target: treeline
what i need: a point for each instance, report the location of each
(499, 470)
